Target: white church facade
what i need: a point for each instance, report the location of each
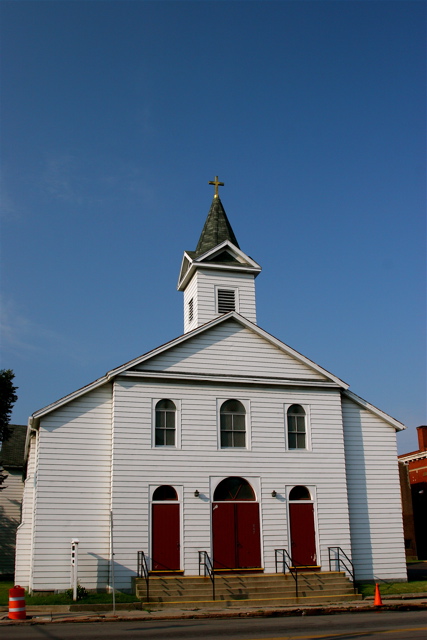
(224, 440)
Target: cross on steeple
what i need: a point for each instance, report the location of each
(216, 184)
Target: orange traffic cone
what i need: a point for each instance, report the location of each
(377, 600)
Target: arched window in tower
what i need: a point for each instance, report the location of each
(233, 424)
(165, 423)
(297, 427)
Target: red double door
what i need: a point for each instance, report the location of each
(236, 535)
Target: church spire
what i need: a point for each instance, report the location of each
(217, 227)
(217, 277)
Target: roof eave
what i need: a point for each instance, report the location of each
(220, 247)
(399, 426)
(182, 275)
(34, 420)
(218, 267)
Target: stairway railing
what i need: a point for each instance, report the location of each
(143, 571)
(286, 562)
(208, 570)
(339, 556)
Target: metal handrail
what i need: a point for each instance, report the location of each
(287, 562)
(349, 566)
(206, 563)
(143, 571)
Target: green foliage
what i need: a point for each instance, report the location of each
(8, 398)
(81, 592)
(65, 598)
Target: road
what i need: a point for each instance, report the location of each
(386, 625)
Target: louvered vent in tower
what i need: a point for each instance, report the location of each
(226, 300)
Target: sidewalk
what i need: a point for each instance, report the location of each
(61, 613)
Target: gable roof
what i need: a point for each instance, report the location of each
(330, 379)
(223, 256)
(232, 316)
(399, 426)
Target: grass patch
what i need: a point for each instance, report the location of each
(366, 589)
(4, 591)
(393, 588)
(63, 598)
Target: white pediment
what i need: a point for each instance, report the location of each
(233, 346)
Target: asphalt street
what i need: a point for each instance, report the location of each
(364, 626)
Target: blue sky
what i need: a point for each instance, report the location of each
(114, 117)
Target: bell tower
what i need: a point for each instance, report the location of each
(217, 277)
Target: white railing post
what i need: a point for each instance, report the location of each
(74, 565)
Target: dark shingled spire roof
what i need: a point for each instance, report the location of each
(216, 229)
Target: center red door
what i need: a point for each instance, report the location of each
(165, 533)
(236, 535)
(303, 535)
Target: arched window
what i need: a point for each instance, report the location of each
(165, 492)
(297, 430)
(233, 424)
(165, 423)
(234, 488)
(299, 493)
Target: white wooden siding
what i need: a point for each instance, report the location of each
(230, 349)
(137, 465)
(374, 495)
(80, 443)
(24, 534)
(191, 293)
(73, 493)
(202, 288)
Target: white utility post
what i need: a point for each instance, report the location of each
(112, 561)
(74, 565)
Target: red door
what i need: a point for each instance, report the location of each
(165, 535)
(303, 535)
(236, 535)
(224, 533)
(248, 535)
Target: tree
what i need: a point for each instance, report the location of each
(8, 398)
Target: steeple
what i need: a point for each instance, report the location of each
(217, 229)
(217, 277)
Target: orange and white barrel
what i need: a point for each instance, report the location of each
(17, 603)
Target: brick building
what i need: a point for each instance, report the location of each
(416, 462)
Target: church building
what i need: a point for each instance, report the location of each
(224, 440)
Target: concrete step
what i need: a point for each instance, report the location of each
(266, 590)
(260, 588)
(275, 595)
(235, 581)
(220, 603)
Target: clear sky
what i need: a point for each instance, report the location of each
(114, 117)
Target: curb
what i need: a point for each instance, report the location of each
(48, 618)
